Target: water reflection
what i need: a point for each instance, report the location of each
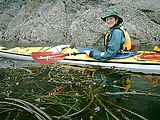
(128, 81)
(6, 63)
(115, 81)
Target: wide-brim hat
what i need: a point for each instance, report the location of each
(110, 13)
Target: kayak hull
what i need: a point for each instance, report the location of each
(16, 56)
(133, 64)
(131, 67)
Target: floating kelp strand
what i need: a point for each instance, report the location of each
(27, 70)
(116, 86)
(64, 105)
(43, 114)
(7, 109)
(39, 86)
(72, 107)
(7, 93)
(124, 116)
(57, 90)
(28, 78)
(56, 81)
(106, 109)
(122, 108)
(25, 108)
(76, 113)
(100, 87)
(132, 93)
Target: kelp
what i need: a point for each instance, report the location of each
(48, 92)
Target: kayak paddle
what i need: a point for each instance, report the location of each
(50, 57)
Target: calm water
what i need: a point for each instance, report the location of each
(76, 93)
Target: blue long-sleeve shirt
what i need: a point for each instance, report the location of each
(116, 39)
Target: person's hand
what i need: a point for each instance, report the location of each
(87, 52)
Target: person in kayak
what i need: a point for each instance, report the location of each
(115, 37)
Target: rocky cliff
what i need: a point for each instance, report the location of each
(75, 21)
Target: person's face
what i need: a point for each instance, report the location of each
(111, 21)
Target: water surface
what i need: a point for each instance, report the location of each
(77, 93)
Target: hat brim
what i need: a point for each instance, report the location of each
(120, 20)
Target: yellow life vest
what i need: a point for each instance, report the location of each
(127, 40)
(156, 48)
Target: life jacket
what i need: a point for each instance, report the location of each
(156, 49)
(126, 46)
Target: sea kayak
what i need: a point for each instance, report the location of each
(129, 62)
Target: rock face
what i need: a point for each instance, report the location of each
(75, 21)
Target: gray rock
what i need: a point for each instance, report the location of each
(76, 21)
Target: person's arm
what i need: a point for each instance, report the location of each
(114, 44)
